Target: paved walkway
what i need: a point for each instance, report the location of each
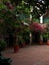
(32, 55)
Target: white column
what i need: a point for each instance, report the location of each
(30, 17)
(30, 38)
(41, 22)
(41, 19)
(31, 10)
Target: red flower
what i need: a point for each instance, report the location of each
(36, 27)
(8, 4)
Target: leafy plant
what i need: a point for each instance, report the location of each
(2, 45)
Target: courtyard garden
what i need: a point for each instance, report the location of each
(20, 25)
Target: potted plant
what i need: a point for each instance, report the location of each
(3, 60)
(16, 45)
(41, 39)
(23, 43)
(26, 32)
(16, 48)
(2, 45)
(48, 38)
(48, 42)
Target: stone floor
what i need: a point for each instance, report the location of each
(31, 55)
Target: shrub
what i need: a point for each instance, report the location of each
(2, 45)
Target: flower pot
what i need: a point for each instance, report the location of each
(23, 45)
(48, 42)
(16, 48)
(40, 42)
